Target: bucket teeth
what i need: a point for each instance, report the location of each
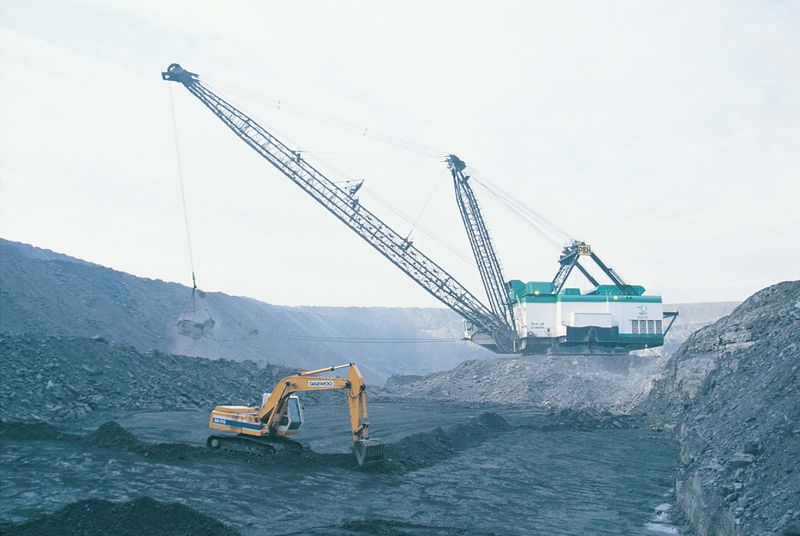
(368, 451)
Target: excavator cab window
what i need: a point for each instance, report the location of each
(293, 417)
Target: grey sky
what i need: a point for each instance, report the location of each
(666, 134)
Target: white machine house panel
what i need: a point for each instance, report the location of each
(537, 319)
(641, 318)
(580, 320)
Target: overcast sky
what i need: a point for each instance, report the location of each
(666, 134)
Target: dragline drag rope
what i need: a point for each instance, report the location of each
(183, 192)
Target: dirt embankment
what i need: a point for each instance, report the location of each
(46, 293)
(731, 397)
(134, 518)
(57, 378)
(408, 454)
(612, 383)
(146, 516)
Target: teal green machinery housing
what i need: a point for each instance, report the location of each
(601, 320)
(546, 317)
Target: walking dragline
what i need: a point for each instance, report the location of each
(533, 317)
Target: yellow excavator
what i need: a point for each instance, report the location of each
(265, 429)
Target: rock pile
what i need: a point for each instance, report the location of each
(428, 448)
(132, 518)
(62, 378)
(612, 383)
(581, 420)
(731, 397)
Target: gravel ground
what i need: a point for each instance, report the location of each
(133, 518)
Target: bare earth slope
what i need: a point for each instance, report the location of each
(731, 394)
(691, 317)
(606, 383)
(62, 378)
(46, 293)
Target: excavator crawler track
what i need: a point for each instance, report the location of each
(252, 445)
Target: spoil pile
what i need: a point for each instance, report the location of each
(582, 420)
(141, 516)
(33, 431)
(410, 453)
(46, 293)
(731, 397)
(111, 435)
(612, 383)
(62, 378)
(428, 448)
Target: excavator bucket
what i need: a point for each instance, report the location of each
(368, 451)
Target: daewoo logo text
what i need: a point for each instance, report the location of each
(320, 383)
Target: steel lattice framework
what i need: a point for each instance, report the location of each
(399, 250)
(481, 243)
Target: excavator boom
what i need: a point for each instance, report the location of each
(280, 414)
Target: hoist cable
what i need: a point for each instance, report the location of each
(183, 192)
(344, 176)
(363, 340)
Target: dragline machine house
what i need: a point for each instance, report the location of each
(534, 317)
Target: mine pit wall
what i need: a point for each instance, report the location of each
(702, 510)
(731, 398)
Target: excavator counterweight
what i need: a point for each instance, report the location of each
(265, 429)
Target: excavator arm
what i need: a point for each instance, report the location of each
(261, 428)
(274, 408)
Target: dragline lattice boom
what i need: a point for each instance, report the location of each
(480, 241)
(497, 334)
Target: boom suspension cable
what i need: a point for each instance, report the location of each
(336, 122)
(544, 226)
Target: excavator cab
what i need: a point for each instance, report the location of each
(293, 417)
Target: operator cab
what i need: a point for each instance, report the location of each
(292, 418)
